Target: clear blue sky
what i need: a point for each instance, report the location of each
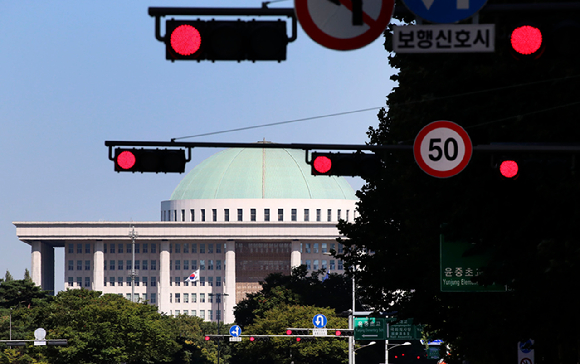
(74, 74)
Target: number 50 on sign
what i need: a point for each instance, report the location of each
(442, 149)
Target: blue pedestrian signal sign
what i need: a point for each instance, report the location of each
(444, 11)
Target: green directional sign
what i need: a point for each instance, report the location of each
(370, 328)
(458, 267)
(405, 330)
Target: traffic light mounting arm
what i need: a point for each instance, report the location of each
(112, 154)
(159, 12)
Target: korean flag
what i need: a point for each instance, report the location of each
(193, 277)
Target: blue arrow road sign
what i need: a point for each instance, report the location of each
(319, 321)
(444, 11)
(235, 331)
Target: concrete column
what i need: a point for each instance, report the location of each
(230, 282)
(98, 267)
(164, 278)
(36, 263)
(295, 256)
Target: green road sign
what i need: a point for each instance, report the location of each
(370, 328)
(458, 267)
(405, 330)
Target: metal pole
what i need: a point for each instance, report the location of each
(351, 353)
(133, 236)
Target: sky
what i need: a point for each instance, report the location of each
(74, 74)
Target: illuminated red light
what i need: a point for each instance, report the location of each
(126, 160)
(207, 338)
(288, 332)
(185, 40)
(298, 339)
(322, 164)
(338, 333)
(509, 168)
(526, 39)
(252, 338)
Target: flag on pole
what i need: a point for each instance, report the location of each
(325, 277)
(193, 277)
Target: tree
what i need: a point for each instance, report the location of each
(20, 293)
(530, 225)
(8, 277)
(288, 350)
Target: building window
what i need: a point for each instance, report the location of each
(252, 214)
(210, 264)
(218, 248)
(340, 266)
(145, 265)
(111, 281)
(87, 265)
(340, 248)
(186, 264)
(182, 215)
(332, 267)
(178, 265)
(88, 248)
(308, 248)
(338, 214)
(240, 215)
(308, 266)
(71, 248)
(315, 250)
(192, 213)
(318, 214)
(210, 248)
(120, 248)
(137, 265)
(70, 281)
(226, 214)
(210, 281)
(186, 298)
(186, 248)
(347, 211)
(218, 265)
(202, 264)
(202, 214)
(315, 265)
(153, 248)
(214, 214)
(120, 281)
(202, 281)
(153, 298)
(202, 297)
(129, 264)
(177, 298)
(120, 264)
(128, 296)
(153, 265)
(71, 265)
(329, 215)
(266, 214)
(144, 281)
(306, 215)
(201, 248)
(112, 248)
(111, 265)
(104, 248)
(294, 215)
(178, 248)
(280, 214)
(218, 281)
(194, 298)
(129, 281)
(324, 266)
(129, 248)
(193, 264)
(145, 248)
(137, 248)
(153, 283)
(177, 281)
(194, 248)
(79, 265)
(136, 281)
(202, 314)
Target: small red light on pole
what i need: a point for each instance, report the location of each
(288, 332)
(509, 169)
(298, 339)
(526, 40)
(338, 333)
(185, 40)
(252, 338)
(207, 338)
(126, 160)
(322, 164)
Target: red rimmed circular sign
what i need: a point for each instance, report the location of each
(442, 149)
(344, 24)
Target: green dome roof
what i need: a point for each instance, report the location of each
(259, 173)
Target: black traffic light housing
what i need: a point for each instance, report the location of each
(149, 160)
(345, 164)
(225, 40)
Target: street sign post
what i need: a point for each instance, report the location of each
(442, 149)
(444, 11)
(344, 24)
(444, 38)
(370, 328)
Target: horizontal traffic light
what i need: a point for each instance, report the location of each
(345, 164)
(344, 332)
(225, 40)
(149, 160)
(215, 337)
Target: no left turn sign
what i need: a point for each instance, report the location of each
(442, 149)
(344, 24)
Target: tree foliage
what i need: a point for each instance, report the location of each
(529, 225)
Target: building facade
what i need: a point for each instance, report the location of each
(236, 217)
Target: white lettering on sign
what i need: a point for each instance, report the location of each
(444, 38)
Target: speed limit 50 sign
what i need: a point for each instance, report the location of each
(442, 149)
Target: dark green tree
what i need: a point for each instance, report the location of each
(529, 225)
(19, 293)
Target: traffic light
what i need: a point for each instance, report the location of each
(149, 160)
(344, 332)
(548, 34)
(225, 40)
(300, 334)
(257, 338)
(345, 164)
(215, 337)
(508, 168)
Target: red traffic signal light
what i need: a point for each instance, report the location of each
(221, 40)
(150, 160)
(509, 169)
(345, 164)
(344, 332)
(527, 41)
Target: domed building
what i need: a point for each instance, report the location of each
(236, 217)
